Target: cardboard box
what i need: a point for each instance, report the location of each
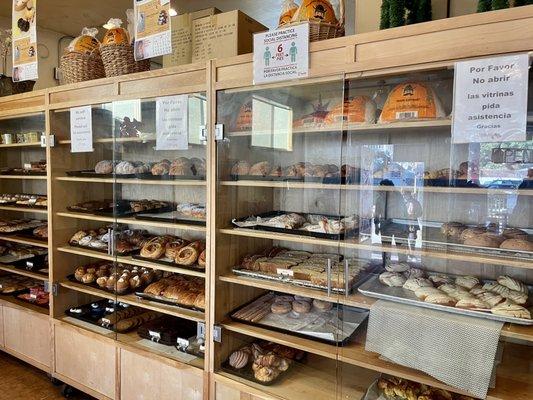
(214, 36)
(182, 36)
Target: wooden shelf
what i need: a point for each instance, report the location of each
(317, 378)
(129, 260)
(136, 301)
(361, 129)
(183, 182)
(510, 385)
(20, 145)
(353, 244)
(115, 140)
(25, 209)
(424, 189)
(132, 221)
(355, 299)
(25, 177)
(23, 272)
(24, 240)
(11, 300)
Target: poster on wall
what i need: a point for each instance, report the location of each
(24, 43)
(490, 99)
(153, 34)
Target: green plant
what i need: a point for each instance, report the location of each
(518, 3)
(423, 10)
(385, 16)
(500, 4)
(411, 6)
(484, 5)
(397, 13)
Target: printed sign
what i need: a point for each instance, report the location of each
(172, 128)
(24, 40)
(153, 35)
(490, 101)
(282, 54)
(81, 130)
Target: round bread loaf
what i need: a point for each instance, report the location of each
(517, 244)
(472, 232)
(482, 241)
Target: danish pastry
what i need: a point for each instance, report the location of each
(416, 283)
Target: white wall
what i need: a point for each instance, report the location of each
(47, 50)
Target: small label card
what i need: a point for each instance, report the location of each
(490, 100)
(81, 130)
(172, 127)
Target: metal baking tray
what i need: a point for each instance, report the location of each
(298, 232)
(358, 320)
(374, 288)
(89, 173)
(337, 180)
(172, 217)
(167, 261)
(94, 285)
(248, 374)
(164, 300)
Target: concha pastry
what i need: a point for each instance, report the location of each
(416, 283)
(392, 279)
(513, 284)
(398, 267)
(104, 167)
(440, 298)
(467, 281)
(239, 359)
(424, 292)
(510, 309)
(482, 241)
(472, 232)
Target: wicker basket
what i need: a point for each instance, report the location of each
(77, 67)
(319, 30)
(119, 60)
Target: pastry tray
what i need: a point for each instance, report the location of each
(345, 180)
(127, 253)
(27, 231)
(433, 239)
(248, 374)
(86, 316)
(172, 217)
(164, 300)
(167, 261)
(122, 209)
(146, 176)
(45, 306)
(20, 171)
(354, 321)
(16, 292)
(299, 232)
(94, 285)
(374, 288)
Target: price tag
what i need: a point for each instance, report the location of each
(282, 54)
(490, 99)
(154, 336)
(172, 128)
(183, 343)
(81, 130)
(285, 272)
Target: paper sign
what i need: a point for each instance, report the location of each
(490, 101)
(282, 54)
(24, 40)
(81, 130)
(153, 35)
(172, 128)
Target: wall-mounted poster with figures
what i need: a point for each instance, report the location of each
(24, 31)
(153, 35)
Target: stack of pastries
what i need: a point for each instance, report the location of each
(299, 170)
(175, 249)
(185, 291)
(481, 236)
(16, 225)
(125, 242)
(507, 296)
(392, 388)
(19, 250)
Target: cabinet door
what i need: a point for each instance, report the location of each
(85, 360)
(223, 392)
(28, 334)
(2, 344)
(147, 378)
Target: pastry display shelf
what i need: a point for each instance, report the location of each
(23, 272)
(158, 182)
(25, 209)
(509, 384)
(13, 301)
(316, 378)
(133, 221)
(116, 140)
(414, 126)
(133, 300)
(355, 299)
(25, 177)
(20, 145)
(424, 189)
(129, 260)
(354, 244)
(24, 240)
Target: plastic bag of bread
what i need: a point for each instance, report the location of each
(315, 10)
(244, 118)
(412, 101)
(115, 33)
(86, 43)
(357, 110)
(288, 10)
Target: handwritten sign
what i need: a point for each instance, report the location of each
(172, 128)
(81, 130)
(490, 101)
(24, 40)
(153, 34)
(282, 54)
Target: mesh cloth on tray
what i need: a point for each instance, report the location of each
(455, 349)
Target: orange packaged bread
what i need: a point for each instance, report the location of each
(357, 110)
(244, 118)
(316, 10)
(411, 101)
(86, 43)
(115, 33)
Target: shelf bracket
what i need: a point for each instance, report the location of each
(51, 288)
(219, 132)
(217, 334)
(48, 139)
(203, 133)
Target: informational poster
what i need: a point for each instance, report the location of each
(24, 40)
(81, 130)
(490, 100)
(153, 34)
(172, 128)
(282, 54)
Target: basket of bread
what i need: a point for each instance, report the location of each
(82, 60)
(320, 14)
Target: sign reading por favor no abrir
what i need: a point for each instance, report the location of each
(490, 99)
(282, 54)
